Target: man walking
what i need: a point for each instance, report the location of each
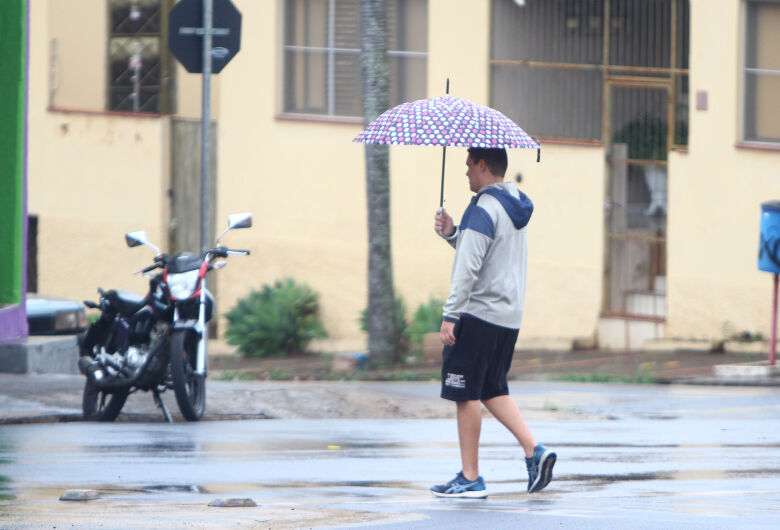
(482, 316)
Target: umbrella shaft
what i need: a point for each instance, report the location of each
(443, 157)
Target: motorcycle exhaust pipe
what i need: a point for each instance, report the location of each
(84, 363)
(97, 374)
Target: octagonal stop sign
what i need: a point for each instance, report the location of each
(185, 34)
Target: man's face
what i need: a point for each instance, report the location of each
(474, 173)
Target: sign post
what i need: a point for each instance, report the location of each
(769, 261)
(207, 55)
(205, 128)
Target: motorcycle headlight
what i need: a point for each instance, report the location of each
(183, 285)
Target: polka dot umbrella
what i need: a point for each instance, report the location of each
(446, 121)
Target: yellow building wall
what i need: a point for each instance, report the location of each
(92, 177)
(304, 181)
(566, 241)
(74, 57)
(715, 193)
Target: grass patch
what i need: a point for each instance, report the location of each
(644, 375)
(233, 375)
(280, 374)
(405, 375)
(389, 374)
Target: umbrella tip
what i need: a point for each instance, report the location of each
(447, 90)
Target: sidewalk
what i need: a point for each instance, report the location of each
(663, 367)
(306, 387)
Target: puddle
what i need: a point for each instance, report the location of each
(655, 416)
(175, 488)
(622, 445)
(5, 492)
(162, 448)
(687, 475)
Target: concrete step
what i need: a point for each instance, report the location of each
(617, 333)
(646, 303)
(672, 344)
(747, 371)
(40, 355)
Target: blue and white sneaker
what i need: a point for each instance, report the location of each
(460, 486)
(540, 467)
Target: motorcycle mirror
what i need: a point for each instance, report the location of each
(134, 239)
(237, 220)
(240, 220)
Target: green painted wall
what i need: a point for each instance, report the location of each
(12, 94)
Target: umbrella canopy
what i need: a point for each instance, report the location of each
(446, 121)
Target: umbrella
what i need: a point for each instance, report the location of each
(446, 121)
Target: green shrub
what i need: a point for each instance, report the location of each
(401, 326)
(282, 318)
(427, 319)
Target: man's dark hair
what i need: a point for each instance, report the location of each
(494, 158)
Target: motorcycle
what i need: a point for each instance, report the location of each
(158, 341)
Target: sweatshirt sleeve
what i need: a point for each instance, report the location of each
(453, 239)
(471, 251)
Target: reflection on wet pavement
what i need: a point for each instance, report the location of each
(672, 465)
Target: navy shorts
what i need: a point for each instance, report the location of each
(475, 367)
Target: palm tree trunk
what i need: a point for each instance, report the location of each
(381, 306)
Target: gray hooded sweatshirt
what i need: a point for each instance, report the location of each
(489, 272)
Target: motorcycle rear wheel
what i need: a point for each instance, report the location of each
(102, 405)
(189, 387)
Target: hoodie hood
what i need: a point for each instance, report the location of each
(519, 208)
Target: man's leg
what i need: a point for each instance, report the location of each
(469, 427)
(506, 411)
(538, 459)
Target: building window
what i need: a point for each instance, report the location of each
(322, 55)
(762, 72)
(550, 61)
(139, 65)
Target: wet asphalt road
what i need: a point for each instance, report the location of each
(645, 457)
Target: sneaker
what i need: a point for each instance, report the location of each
(540, 468)
(460, 486)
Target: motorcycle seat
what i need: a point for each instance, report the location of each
(125, 302)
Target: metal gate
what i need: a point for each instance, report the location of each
(611, 73)
(646, 88)
(637, 199)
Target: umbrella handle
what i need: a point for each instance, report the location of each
(441, 211)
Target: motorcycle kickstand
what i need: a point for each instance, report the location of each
(161, 405)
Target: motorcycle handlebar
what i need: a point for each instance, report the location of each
(151, 267)
(223, 252)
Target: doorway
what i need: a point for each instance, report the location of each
(636, 212)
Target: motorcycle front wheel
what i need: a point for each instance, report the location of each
(101, 405)
(189, 387)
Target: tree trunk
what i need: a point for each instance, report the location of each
(381, 306)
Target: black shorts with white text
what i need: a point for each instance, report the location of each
(475, 367)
